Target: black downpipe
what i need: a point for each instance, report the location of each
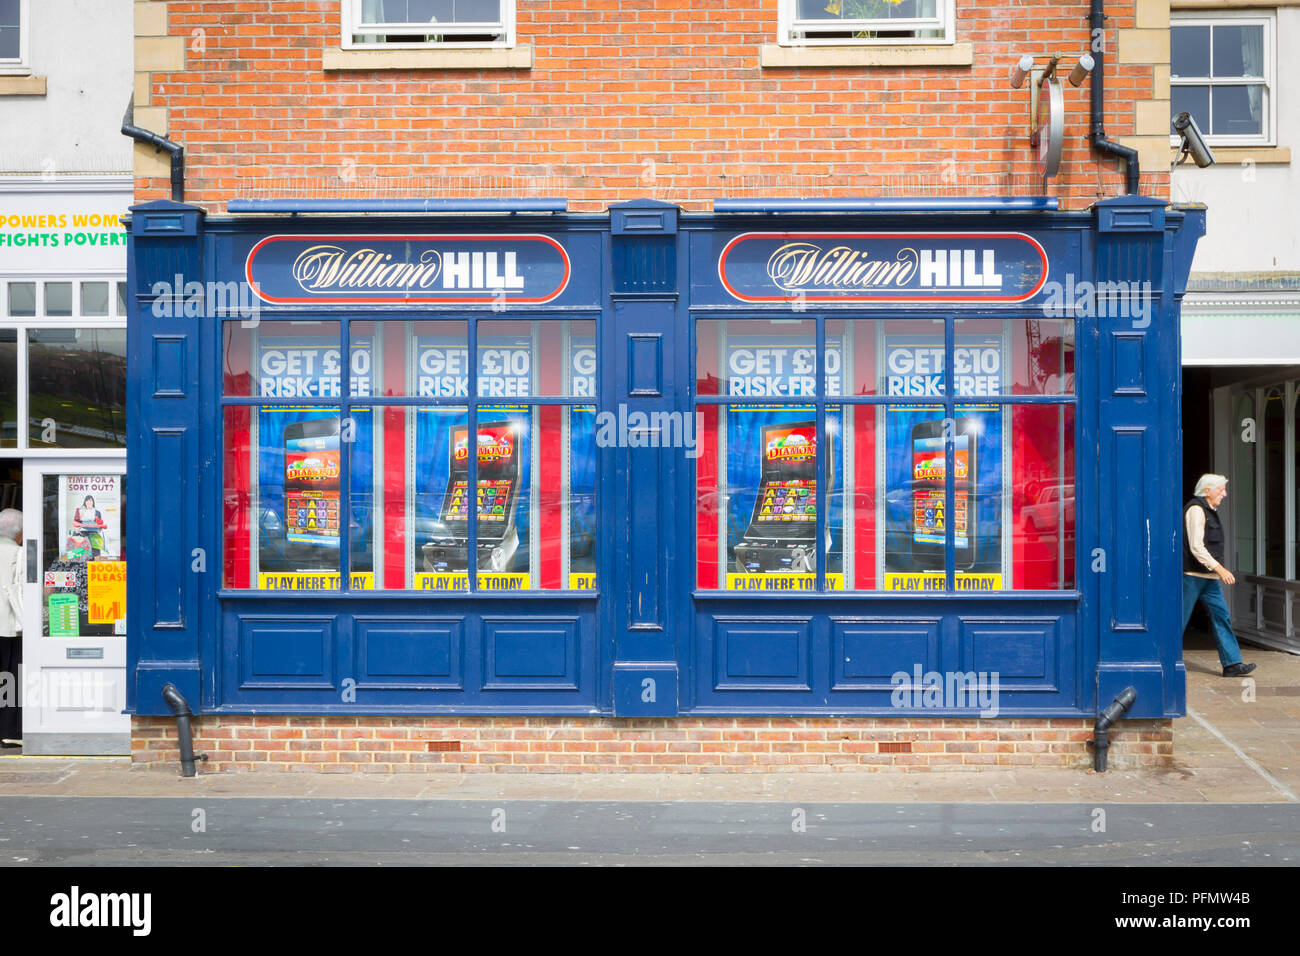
(176, 150)
(181, 709)
(1097, 22)
(1100, 739)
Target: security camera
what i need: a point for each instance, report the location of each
(1194, 144)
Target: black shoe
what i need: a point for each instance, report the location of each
(1239, 669)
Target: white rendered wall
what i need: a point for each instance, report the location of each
(84, 49)
(1251, 225)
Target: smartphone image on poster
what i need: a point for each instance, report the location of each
(311, 482)
(929, 469)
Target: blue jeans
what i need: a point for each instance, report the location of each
(1210, 592)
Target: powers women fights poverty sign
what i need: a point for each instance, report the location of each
(332, 270)
(882, 267)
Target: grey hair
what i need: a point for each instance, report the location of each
(1209, 483)
(11, 523)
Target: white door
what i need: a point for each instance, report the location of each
(74, 635)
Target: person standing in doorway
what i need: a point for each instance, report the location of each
(11, 625)
(1203, 569)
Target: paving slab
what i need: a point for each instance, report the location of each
(1239, 744)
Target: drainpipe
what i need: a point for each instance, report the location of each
(1097, 22)
(176, 150)
(1100, 740)
(181, 708)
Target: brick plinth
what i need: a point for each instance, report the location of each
(677, 745)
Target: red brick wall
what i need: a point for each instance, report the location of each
(688, 744)
(626, 98)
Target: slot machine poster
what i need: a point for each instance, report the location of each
(770, 460)
(298, 465)
(915, 465)
(441, 455)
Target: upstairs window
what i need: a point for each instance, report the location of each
(428, 23)
(855, 22)
(1221, 72)
(13, 36)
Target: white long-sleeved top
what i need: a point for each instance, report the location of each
(1195, 531)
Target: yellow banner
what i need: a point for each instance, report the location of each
(935, 582)
(106, 591)
(582, 582)
(460, 582)
(312, 580)
(781, 582)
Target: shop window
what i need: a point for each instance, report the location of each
(121, 299)
(428, 23)
(1221, 71)
(76, 388)
(1242, 488)
(848, 486)
(513, 509)
(8, 388)
(13, 36)
(850, 22)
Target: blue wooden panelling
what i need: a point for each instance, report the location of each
(170, 509)
(867, 652)
(169, 378)
(1128, 363)
(287, 652)
(530, 653)
(753, 653)
(645, 364)
(1130, 573)
(1025, 653)
(411, 653)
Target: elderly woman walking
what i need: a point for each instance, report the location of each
(1203, 569)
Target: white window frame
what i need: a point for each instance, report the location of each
(1234, 17)
(788, 26)
(23, 64)
(352, 27)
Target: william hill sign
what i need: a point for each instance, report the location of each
(324, 269)
(882, 267)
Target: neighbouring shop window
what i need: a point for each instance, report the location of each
(1221, 71)
(1275, 486)
(428, 505)
(844, 22)
(893, 475)
(84, 575)
(429, 23)
(76, 388)
(1241, 496)
(8, 388)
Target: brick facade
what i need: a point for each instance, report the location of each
(628, 98)
(680, 745)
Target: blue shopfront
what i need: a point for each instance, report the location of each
(762, 461)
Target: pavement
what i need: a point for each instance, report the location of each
(1240, 743)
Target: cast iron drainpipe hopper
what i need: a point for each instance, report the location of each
(1100, 740)
(176, 150)
(181, 708)
(1097, 26)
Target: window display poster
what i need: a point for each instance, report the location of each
(582, 465)
(443, 501)
(299, 467)
(915, 466)
(90, 517)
